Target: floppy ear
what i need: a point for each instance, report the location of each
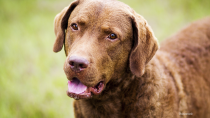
(144, 46)
(60, 25)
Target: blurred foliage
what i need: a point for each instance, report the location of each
(32, 81)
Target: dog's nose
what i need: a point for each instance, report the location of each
(78, 64)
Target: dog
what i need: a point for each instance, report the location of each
(116, 69)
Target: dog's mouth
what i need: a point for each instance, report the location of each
(77, 90)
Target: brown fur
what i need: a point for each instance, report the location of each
(139, 80)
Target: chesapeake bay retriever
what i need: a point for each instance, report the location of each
(116, 69)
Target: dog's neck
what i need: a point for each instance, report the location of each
(110, 102)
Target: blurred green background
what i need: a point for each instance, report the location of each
(32, 81)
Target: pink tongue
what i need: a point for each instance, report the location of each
(75, 86)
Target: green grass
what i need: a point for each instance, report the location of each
(32, 81)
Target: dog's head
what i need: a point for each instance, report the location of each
(102, 40)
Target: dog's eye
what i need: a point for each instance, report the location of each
(112, 36)
(74, 26)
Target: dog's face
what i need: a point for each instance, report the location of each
(101, 39)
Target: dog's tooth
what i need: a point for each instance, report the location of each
(76, 98)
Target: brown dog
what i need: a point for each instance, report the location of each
(115, 72)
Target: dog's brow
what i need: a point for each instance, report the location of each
(108, 29)
(105, 28)
(82, 20)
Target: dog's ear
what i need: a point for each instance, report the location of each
(60, 25)
(144, 47)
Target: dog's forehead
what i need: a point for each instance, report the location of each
(97, 12)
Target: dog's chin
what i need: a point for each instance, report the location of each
(78, 90)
